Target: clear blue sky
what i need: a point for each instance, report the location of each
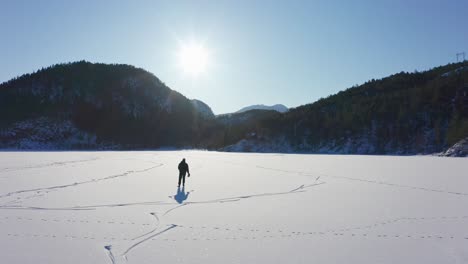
(262, 52)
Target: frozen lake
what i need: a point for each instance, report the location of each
(125, 207)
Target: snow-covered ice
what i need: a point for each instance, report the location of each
(124, 207)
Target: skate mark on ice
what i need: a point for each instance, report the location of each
(119, 205)
(299, 189)
(146, 239)
(86, 207)
(365, 180)
(77, 221)
(153, 230)
(174, 208)
(45, 165)
(43, 208)
(109, 253)
(20, 199)
(302, 188)
(422, 236)
(337, 231)
(127, 173)
(295, 235)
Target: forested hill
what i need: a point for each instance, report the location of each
(87, 105)
(405, 113)
(84, 105)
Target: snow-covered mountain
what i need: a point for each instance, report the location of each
(277, 107)
(89, 105)
(94, 106)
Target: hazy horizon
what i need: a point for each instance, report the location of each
(234, 54)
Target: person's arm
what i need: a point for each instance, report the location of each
(188, 171)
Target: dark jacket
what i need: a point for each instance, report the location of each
(183, 167)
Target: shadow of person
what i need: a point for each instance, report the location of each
(181, 195)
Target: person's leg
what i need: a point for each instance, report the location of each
(180, 178)
(183, 180)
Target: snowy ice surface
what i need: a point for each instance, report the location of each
(124, 207)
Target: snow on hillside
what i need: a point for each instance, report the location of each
(458, 70)
(365, 143)
(459, 149)
(124, 207)
(277, 107)
(45, 133)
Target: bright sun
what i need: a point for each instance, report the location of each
(193, 58)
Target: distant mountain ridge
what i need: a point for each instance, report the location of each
(277, 107)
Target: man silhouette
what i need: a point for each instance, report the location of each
(183, 169)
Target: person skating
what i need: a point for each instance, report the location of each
(183, 169)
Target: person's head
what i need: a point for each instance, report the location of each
(183, 160)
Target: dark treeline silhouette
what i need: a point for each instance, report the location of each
(118, 103)
(411, 112)
(419, 112)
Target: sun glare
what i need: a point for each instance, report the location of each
(193, 58)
